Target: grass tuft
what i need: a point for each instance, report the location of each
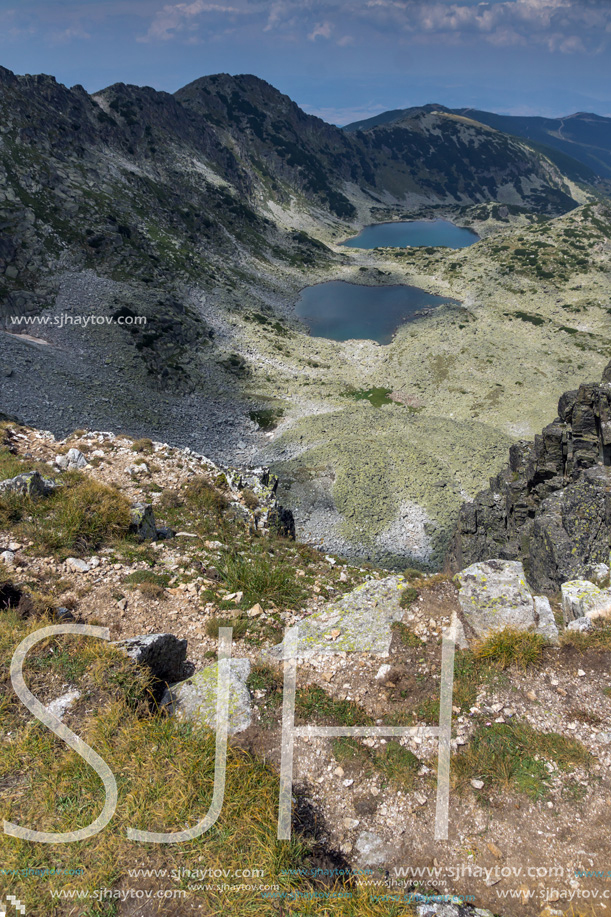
(262, 578)
(408, 597)
(143, 445)
(239, 624)
(201, 497)
(599, 638)
(513, 756)
(78, 518)
(511, 647)
(313, 704)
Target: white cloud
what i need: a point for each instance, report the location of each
(321, 30)
(571, 45)
(176, 18)
(70, 34)
(563, 26)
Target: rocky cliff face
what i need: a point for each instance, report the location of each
(551, 506)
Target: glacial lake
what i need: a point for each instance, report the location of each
(344, 311)
(413, 233)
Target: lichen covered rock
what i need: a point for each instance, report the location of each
(582, 599)
(143, 523)
(195, 699)
(360, 622)
(551, 506)
(29, 484)
(494, 596)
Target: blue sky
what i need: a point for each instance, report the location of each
(340, 59)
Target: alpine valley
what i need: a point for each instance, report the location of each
(208, 211)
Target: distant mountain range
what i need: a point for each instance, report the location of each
(583, 138)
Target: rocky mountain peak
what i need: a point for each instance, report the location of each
(551, 505)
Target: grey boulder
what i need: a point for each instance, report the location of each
(582, 599)
(143, 523)
(29, 484)
(360, 622)
(494, 595)
(73, 460)
(194, 700)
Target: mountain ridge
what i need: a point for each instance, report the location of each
(537, 129)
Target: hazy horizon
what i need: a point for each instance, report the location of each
(343, 61)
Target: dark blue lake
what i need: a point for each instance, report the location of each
(345, 311)
(413, 233)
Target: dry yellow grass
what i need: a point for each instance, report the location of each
(164, 773)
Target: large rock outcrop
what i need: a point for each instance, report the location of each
(494, 596)
(551, 506)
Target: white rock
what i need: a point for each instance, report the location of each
(580, 599)
(59, 706)
(350, 823)
(382, 672)
(477, 784)
(8, 557)
(77, 565)
(74, 460)
(371, 849)
(546, 623)
(580, 624)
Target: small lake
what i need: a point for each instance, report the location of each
(344, 311)
(413, 233)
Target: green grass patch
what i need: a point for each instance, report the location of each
(147, 576)
(267, 419)
(406, 635)
(262, 578)
(392, 761)
(78, 518)
(408, 596)
(513, 756)
(347, 750)
(313, 704)
(376, 396)
(397, 764)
